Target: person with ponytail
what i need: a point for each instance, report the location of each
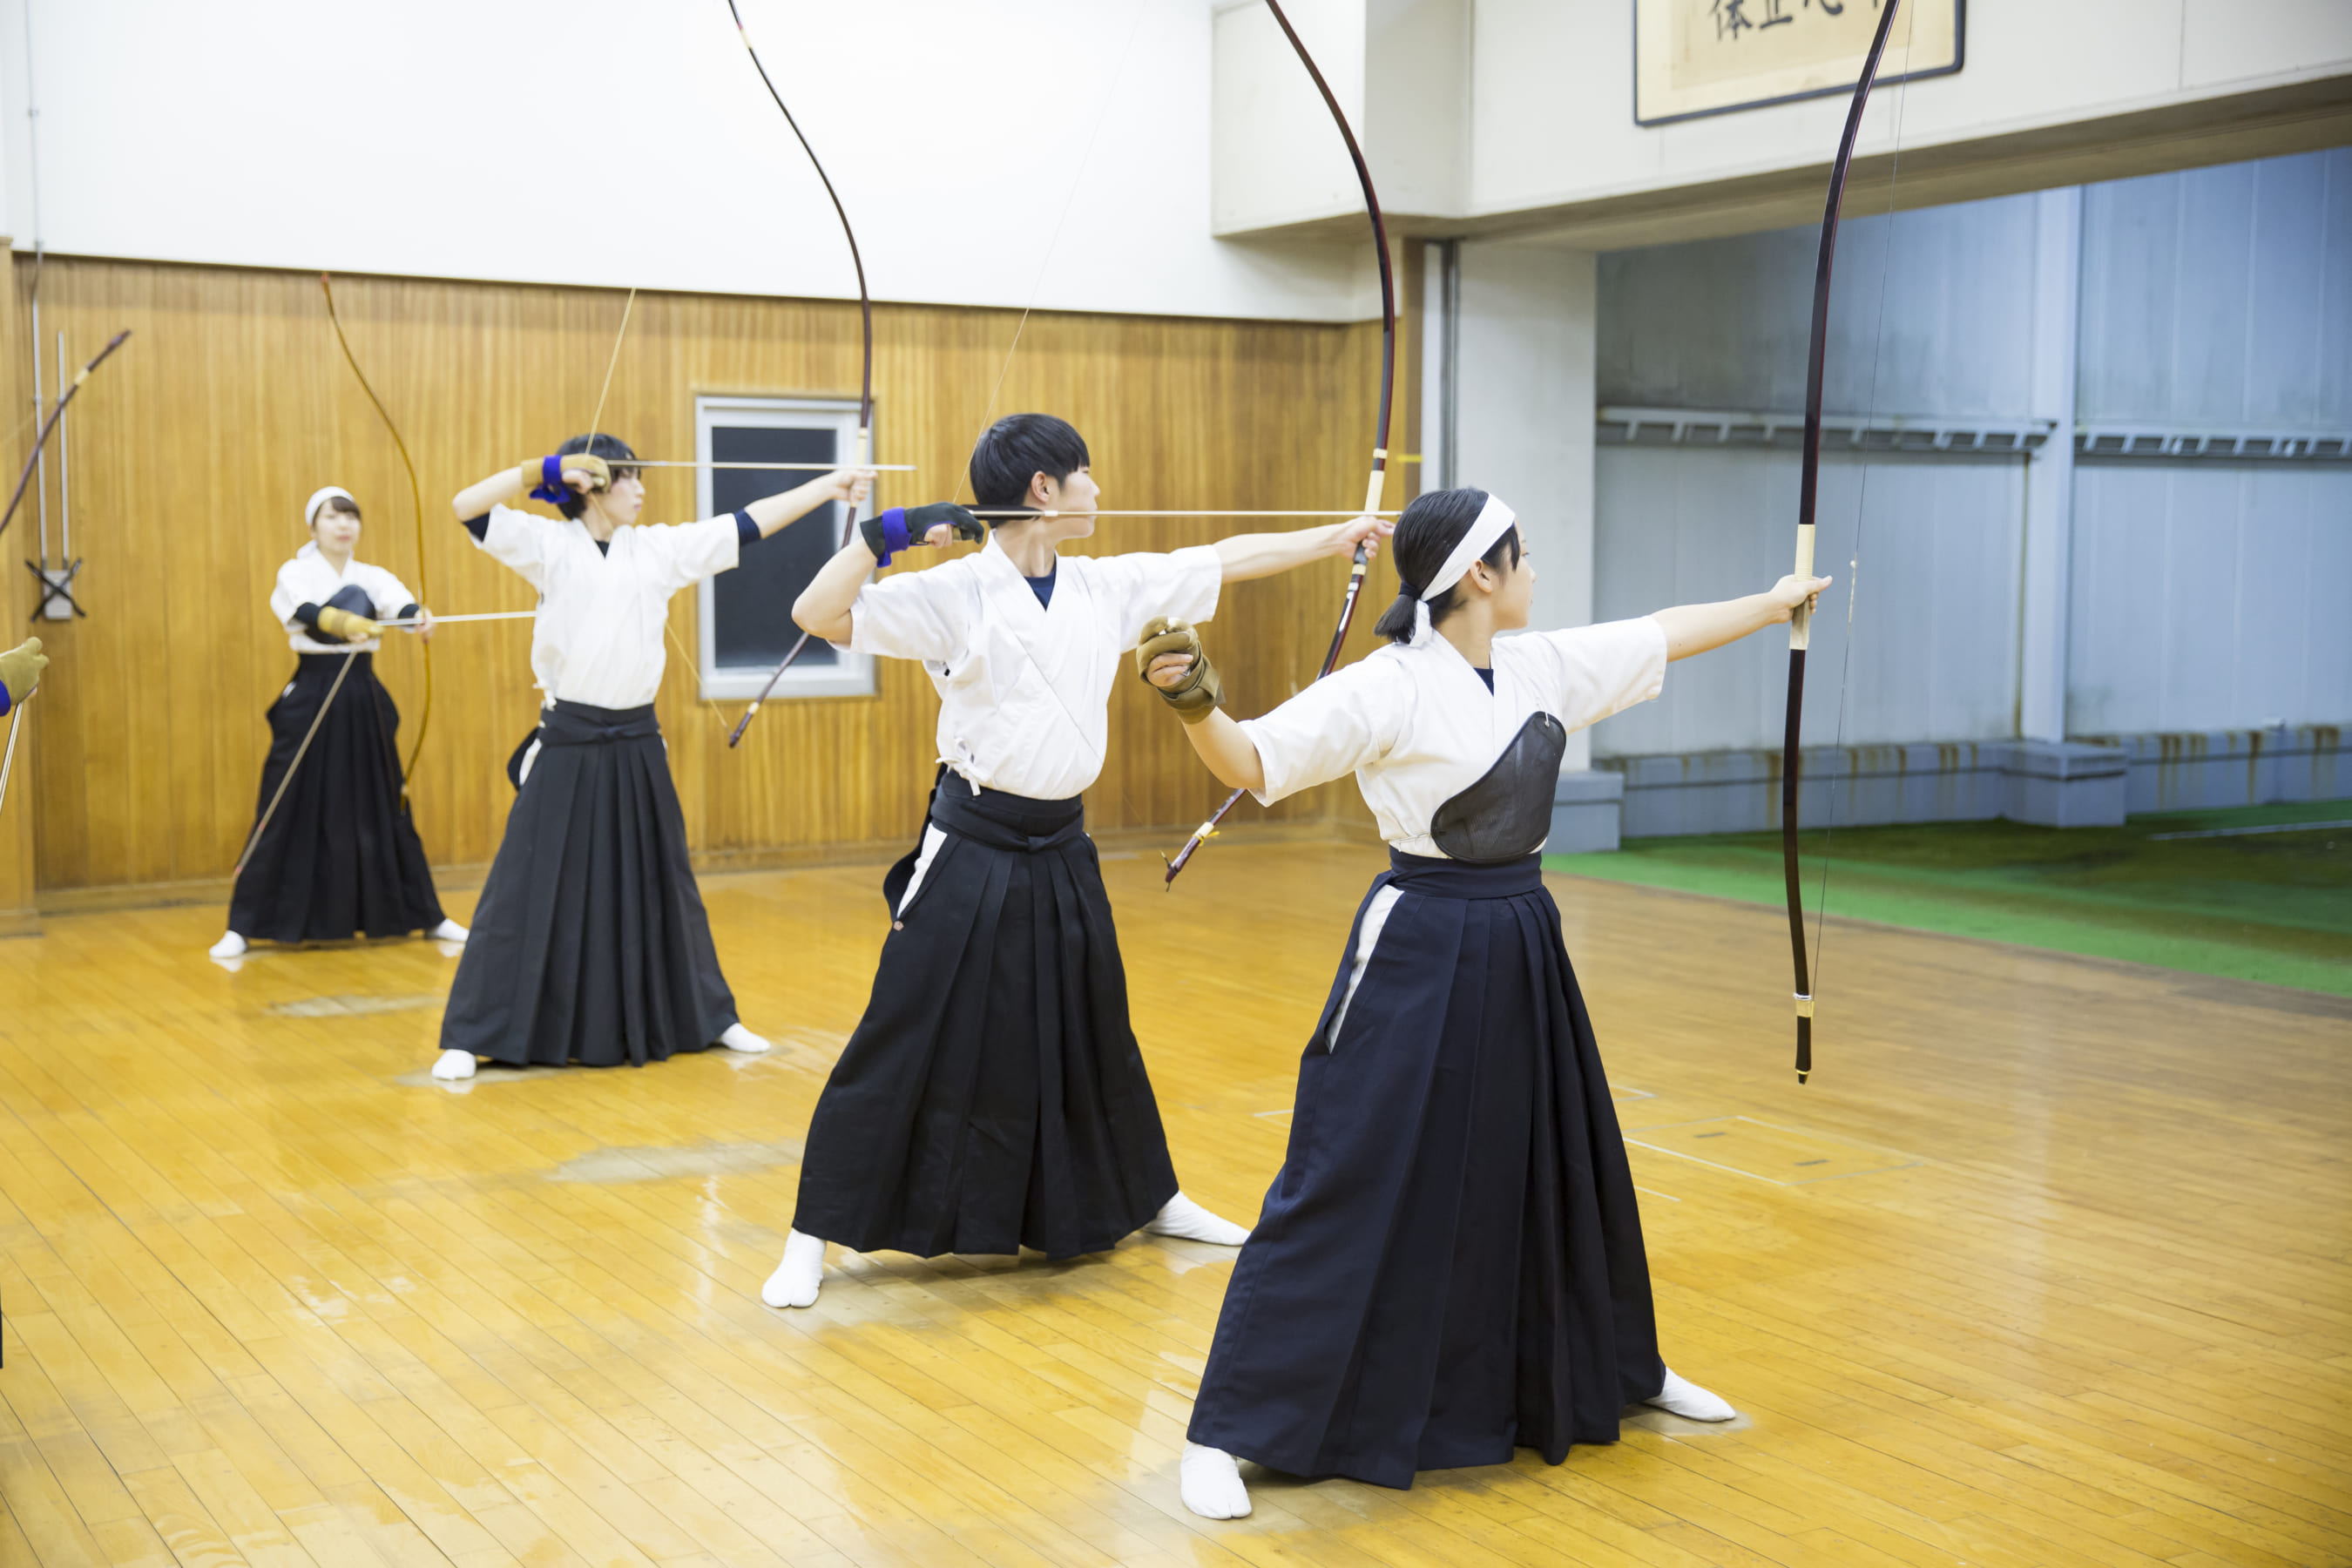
(1450, 1264)
(340, 857)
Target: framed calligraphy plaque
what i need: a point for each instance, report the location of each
(1712, 56)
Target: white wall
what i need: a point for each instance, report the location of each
(455, 138)
(1523, 417)
(1551, 88)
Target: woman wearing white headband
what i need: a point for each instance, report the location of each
(1450, 1264)
(338, 858)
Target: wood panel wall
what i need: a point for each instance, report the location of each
(193, 453)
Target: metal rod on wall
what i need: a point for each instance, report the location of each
(40, 411)
(64, 470)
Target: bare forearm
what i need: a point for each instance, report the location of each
(1248, 555)
(1697, 628)
(773, 513)
(1226, 747)
(483, 494)
(823, 608)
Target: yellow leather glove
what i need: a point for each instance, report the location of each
(349, 626)
(1199, 692)
(20, 669)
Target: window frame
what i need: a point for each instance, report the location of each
(852, 674)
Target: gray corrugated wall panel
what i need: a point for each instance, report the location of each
(2210, 597)
(2220, 296)
(1935, 622)
(1724, 324)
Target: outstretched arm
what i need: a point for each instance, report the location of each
(1247, 555)
(1697, 628)
(1171, 659)
(847, 486)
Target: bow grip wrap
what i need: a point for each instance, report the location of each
(1199, 693)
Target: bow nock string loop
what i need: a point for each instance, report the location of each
(417, 502)
(1808, 494)
(1379, 475)
(864, 448)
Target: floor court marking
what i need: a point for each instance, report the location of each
(1758, 1149)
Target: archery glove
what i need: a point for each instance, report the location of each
(343, 623)
(20, 669)
(900, 528)
(1199, 692)
(597, 472)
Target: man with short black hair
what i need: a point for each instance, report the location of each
(993, 1097)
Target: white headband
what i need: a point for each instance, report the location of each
(319, 498)
(1493, 520)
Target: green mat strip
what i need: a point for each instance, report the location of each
(2273, 907)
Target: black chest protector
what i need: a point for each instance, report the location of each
(1508, 813)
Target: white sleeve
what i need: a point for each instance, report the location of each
(685, 552)
(1587, 673)
(1182, 586)
(519, 540)
(284, 600)
(912, 615)
(1347, 719)
(388, 593)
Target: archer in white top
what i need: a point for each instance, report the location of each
(310, 580)
(606, 580)
(1417, 726)
(1417, 721)
(1024, 685)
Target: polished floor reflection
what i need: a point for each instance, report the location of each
(2051, 1264)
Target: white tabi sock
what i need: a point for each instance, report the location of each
(739, 1038)
(799, 1276)
(447, 930)
(1687, 1399)
(230, 945)
(454, 1063)
(1210, 1483)
(1183, 1218)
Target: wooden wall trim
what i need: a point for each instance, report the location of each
(231, 404)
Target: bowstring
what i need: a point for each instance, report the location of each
(1862, 496)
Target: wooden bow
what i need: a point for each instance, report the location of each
(1380, 432)
(416, 504)
(49, 425)
(1809, 487)
(866, 366)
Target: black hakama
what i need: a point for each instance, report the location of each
(994, 1096)
(590, 942)
(340, 857)
(1449, 1265)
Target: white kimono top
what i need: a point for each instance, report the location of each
(1417, 725)
(598, 637)
(310, 579)
(1024, 689)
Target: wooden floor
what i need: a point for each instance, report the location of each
(2051, 1265)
